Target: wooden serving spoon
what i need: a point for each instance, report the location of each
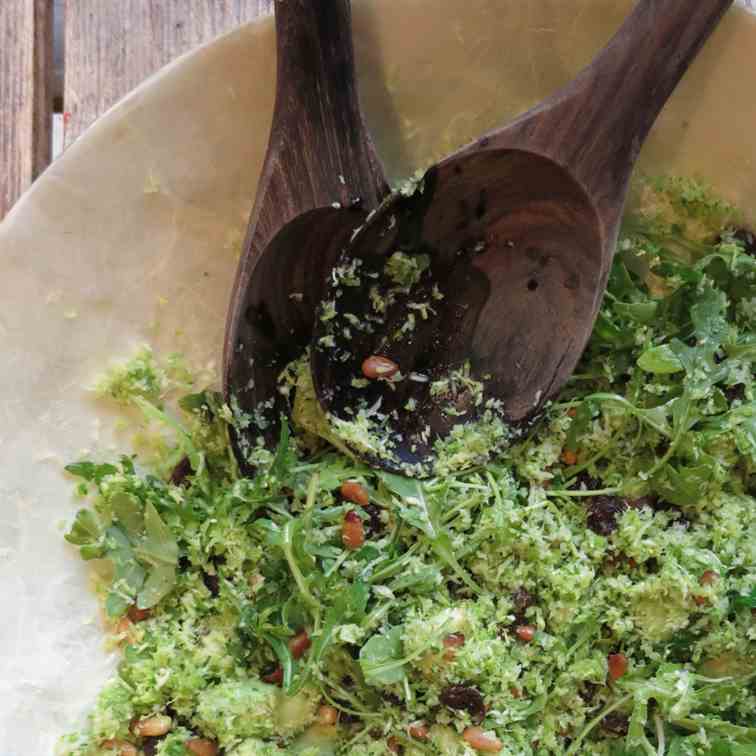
(520, 229)
(320, 177)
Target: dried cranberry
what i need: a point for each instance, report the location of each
(392, 698)
(464, 697)
(273, 675)
(299, 644)
(748, 239)
(587, 691)
(137, 615)
(346, 718)
(523, 599)
(603, 512)
(583, 480)
(375, 524)
(181, 472)
(661, 448)
(212, 583)
(456, 589)
(735, 393)
(615, 723)
(617, 665)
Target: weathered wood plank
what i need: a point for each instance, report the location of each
(25, 95)
(113, 45)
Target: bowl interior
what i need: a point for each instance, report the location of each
(132, 236)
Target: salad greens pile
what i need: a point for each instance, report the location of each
(591, 590)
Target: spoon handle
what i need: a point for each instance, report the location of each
(596, 125)
(320, 151)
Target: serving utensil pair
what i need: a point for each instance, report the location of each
(538, 201)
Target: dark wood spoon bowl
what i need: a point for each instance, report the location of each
(520, 228)
(320, 178)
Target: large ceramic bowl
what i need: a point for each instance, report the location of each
(133, 235)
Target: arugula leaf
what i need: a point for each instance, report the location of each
(660, 360)
(157, 547)
(349, 607)
(283, 458)
(681, 484)
(747, 601)
(420, 581)
(140, 546)
(415, 509)
(270, 530)
(283, 654)
(128, 513)
(741, 749)
(91, 471)
(676, 692)
(620, 749)
(621, 282)
(87, 533)
(205, 403)
(380, 658)
(128, 574)
(293, 613)
(159, 584)
(445, 551)
(744, 349)
(725, 748)
(701, 369)
(580, 426)
(640, 312)
(709, 316)
(184, 440)
(611, 333)
(291, 539)
(743, 425)
(412, 503)
(116, 604)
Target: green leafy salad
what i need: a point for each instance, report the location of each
(589, 590)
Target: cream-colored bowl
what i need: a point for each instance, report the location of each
(132, 236)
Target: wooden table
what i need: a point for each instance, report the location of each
(110, 46)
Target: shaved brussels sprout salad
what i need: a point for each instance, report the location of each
(589, 590)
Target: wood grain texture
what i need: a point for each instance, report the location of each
(25, 95)
(320, 178)
(520, 227)
(111, 46)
